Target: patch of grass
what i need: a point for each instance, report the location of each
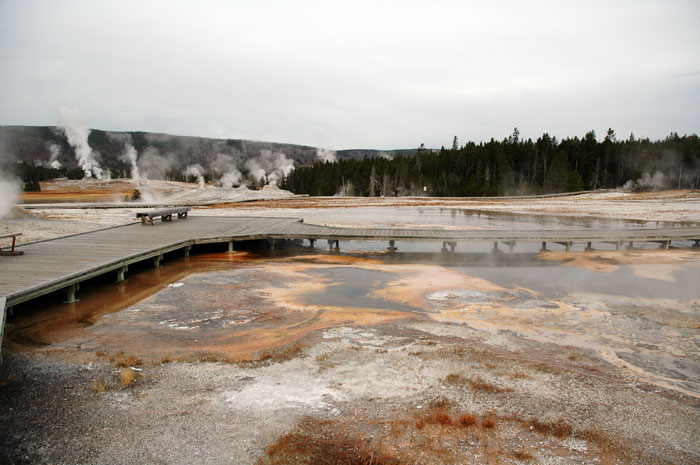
(208, 357)
(558, 429)
(126, 377)
(467, 420)
(440, 418)
(98, 385)
(281, 354)
(455, 378)
(477, 383)
(320, 442)
(488, 422)
(122, 361)
(523, 456)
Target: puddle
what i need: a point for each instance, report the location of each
(353, 287)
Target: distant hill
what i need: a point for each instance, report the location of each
(162, 156)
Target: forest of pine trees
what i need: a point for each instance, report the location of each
(512, 166)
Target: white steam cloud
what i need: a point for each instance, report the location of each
(226, 164)
(197, 171)
(270, 167)
(646, 182)
(152, 165)
(54, 153)
(9, 191)
(130, 154)
(77, 132)
(325, 155)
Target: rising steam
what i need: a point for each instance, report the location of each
(327, 156)
(130, 155)
(153, 165)
(197, 171)
(646, 182)
(270, 167)
(227, 165)
(9, 191)
(54, 153)
(77, 132)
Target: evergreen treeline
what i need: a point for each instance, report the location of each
(512, 166)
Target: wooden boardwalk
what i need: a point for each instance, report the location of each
(63, 263)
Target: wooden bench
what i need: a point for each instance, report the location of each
(165, 215)
(12, 250)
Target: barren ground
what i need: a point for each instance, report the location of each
(510, 378)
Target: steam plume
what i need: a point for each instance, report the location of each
(152, 165)
(198, 171)
(325, 155)
(646, 182)
(130, 154)
(55, 152)
(8, 196)
(270, 167)
(226, 164)
(77, 132)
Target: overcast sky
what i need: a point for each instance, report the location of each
(344, 74)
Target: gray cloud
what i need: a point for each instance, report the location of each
(371, 74)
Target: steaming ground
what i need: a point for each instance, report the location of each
(39, 224)
(516, 379)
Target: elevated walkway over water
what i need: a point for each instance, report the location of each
(62, 264)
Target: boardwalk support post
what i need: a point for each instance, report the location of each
(589, 246)
(567, 245)
(186, 251)
(272, 244)
(697, 244)
(544, 247)
(337, 246)
(70, 293)
(495, 246)
(630, 245)
(230, 246)
(120, 273)
(392, 247)
(156, 261)
(312, 243)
